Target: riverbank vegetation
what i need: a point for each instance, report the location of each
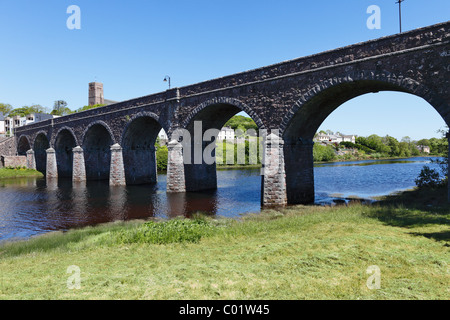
(19, 172)
(376, 147)
(298, 252)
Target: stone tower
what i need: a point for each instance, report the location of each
(96, 93)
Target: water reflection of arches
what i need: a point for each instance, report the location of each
(314, 108)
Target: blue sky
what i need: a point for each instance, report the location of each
(131, 45)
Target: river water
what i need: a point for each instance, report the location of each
(30, 207)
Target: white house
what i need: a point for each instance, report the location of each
(226, 134)
(163, 138)
(38, 117)
(2, 125)
(334, 138)
(18, 121)
(424, 149)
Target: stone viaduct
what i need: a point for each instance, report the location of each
(289, 99)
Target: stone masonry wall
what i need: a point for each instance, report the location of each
(8, 147)
(13, 161)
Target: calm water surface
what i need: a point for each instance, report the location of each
(32, 206)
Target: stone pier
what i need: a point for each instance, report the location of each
(117, 172)
(52, 168)
(273, 173)
(299, 166)
(175, 168)
(31, 162)
(79, 170)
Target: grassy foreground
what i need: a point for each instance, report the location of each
(300, 252)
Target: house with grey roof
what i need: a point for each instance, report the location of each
(2, 125)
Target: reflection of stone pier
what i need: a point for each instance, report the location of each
(79, 199)
(187, 204)
(176, 203)
(117, 202)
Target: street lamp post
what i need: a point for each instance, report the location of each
(400, 13)
(167, 79)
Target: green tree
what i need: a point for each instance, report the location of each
(323, 153)
(376, 143)
(162, 154)
(90, 107)
(406, 139)
(59, 105)
(423, 142)
(393, 144)
(5, 108)
(60, 108)
(61, 112)
(404, 149)
(241, 122)
(25, 110)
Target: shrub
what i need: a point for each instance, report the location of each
(428, 178)
(323, 153)
(348, 144)
(162, 154)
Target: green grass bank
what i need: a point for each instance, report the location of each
(11, 173)
(298, 252)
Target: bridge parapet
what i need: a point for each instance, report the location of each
(415, 39)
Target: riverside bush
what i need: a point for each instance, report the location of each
(162, 153)
(323, 153)
(428, 178)
(171, 231)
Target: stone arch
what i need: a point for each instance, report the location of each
(201, 174)
(23, 145)
(69, 129)
(40, 145)
(351, 86)
(148, 114)
(320, 100)
(63, 143)
(97, 142)
(223, 101)
(40, 133)
(101, 123)
(138, 148)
